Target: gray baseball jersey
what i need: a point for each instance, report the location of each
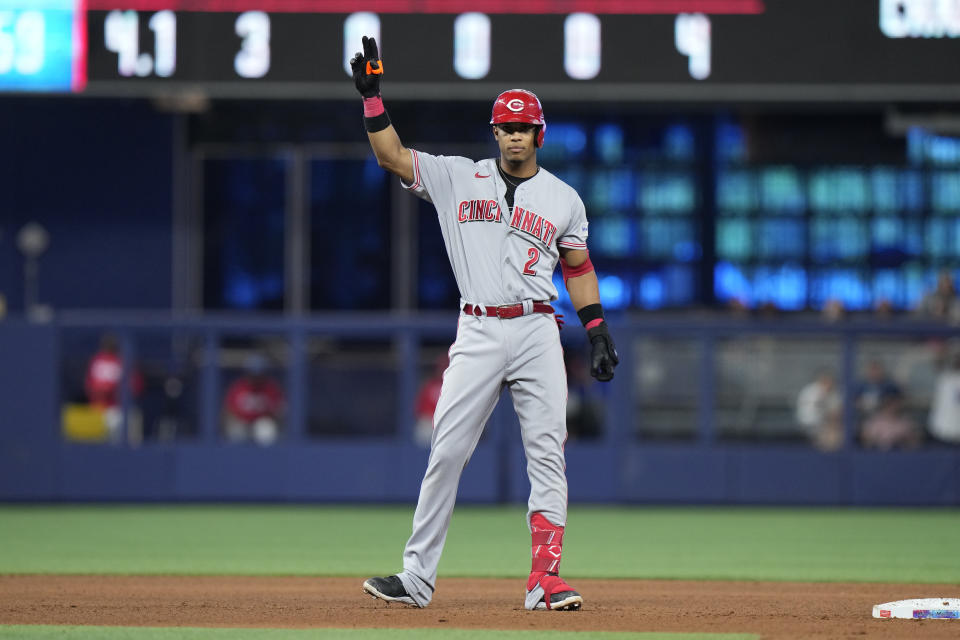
(498, 257)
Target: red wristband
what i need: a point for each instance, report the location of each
(372, 107)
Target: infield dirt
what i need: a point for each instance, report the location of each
(770, 609)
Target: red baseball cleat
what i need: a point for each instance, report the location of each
(557, 595)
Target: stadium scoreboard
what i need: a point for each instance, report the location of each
(576, 49)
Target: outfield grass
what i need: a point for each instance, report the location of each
(869, 545)
(181, 633)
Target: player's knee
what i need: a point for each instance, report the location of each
(550, 463)
(450, 458)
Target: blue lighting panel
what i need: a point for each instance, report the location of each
(737, 191)
(42, 45)
(670, 286)
(613, 236)
(849, 286)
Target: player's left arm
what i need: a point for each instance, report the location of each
(579, 277)
(584, 289)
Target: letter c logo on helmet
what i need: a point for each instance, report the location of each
(519, 105)
(515, 105)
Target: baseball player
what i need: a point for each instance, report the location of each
(505, 224)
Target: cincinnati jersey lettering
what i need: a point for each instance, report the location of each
(478, 211)
(533, 224)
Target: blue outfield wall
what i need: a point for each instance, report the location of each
(389, 472)
(36, 464)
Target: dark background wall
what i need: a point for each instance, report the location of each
(97, 175)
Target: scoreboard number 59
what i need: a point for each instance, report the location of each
(21, 42)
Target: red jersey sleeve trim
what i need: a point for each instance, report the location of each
(416, 171)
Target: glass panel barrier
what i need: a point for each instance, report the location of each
(666, 388)
(779, 388)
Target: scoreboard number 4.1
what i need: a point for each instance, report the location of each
(122, 31)
(121, 34)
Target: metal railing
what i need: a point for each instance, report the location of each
(407, 332)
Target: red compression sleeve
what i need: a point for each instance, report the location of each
(573, 272)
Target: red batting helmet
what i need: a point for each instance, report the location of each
(519, 105)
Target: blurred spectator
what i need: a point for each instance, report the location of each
(102, 385)
(834, 311)
(884, 310)
(945, 411)
(253, 405)
(584, 403)
(738, 309)
(819, 412)
(104, 372)
(889, 426)
(768, 311)
(941, 303)
(426, 402)
(876, 385)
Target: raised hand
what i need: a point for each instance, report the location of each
(367, 69)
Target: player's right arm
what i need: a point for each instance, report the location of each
(390, 153)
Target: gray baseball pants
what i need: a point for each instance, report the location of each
(523, 354)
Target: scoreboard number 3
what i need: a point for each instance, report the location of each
(253, 60)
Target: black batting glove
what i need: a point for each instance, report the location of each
(367, 69)
(603, 353)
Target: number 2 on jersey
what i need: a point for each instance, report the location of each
(534, 254)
